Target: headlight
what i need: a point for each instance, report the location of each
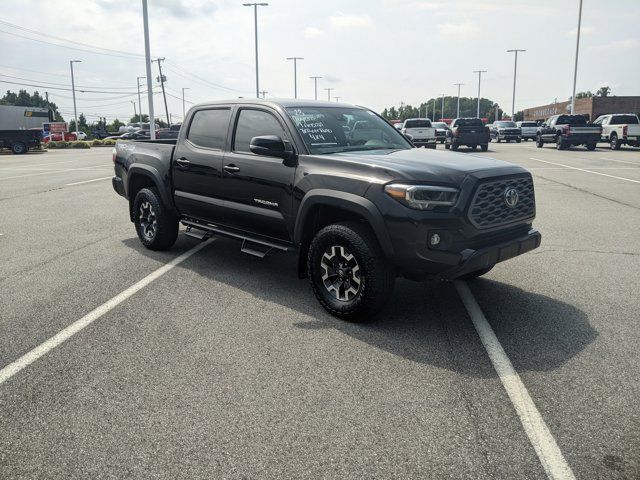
(422, 197)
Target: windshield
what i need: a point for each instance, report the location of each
(571, 120)
(418, 123)
(468, 122)
(505, 124)
(440, 125)
(624, 119)
(345, 129)
(528, 124)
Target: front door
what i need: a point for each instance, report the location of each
(197, 165)
(258, 189)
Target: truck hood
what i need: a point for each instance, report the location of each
(423, 164)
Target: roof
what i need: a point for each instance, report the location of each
(282, 102)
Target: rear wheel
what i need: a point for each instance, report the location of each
(447, 146)
(518, 140)
(591, 146)
(19, 148)
(349, 274)
(539, 142)
(156, 226)
(498, 139)
(614, 143)
(560, 145)
(454, 147)
(484, 147)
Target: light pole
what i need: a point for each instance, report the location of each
(443, 94)
(183, 109)
(315, 86)
(295, 74)
(135, 114)
(147, 59)
(515, 69)
(73, 89)
(329, 93)
(255, 27)
(458, 108)
(575, 68)
(139, 100)
(479, 72)
(434, 109)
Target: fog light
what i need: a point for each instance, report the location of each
(434, 240)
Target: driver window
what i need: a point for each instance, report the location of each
(254, 123)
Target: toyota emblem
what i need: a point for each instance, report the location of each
(511, 197)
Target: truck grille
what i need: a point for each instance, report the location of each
(489, 207)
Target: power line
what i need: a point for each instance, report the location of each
(64, 84)
(208, 83)
(66, 89)
(35, 32)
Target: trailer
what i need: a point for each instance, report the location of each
(23, 118)
(20, 141)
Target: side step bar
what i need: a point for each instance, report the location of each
(251, 246)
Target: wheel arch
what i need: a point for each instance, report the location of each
(143, 176)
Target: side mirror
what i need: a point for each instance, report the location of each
(272, 146)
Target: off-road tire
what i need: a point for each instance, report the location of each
(162, 230)
(375, 272)
(476, 274)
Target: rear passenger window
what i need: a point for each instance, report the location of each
(209, 128)
(255, 123)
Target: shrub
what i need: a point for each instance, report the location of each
(108, 142)
(97, 143)
(62, 144)
(79, 144)
(52, 144)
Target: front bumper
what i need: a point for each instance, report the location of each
(473, 260)
(424, 142)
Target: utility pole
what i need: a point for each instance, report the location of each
(135, 114)
(443, 94)
(315, 86)
(337, 99)
(434, 109)
(479, 72)
(147, 59)
(73, 89)
(295, 74)
(255, 29)
(329, 93)
(263, 93)
(183, 109)
(458, 110)
(575, 68)
(161, 79)
(139, 99)
(515, 70)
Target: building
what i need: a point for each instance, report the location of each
(590, 107)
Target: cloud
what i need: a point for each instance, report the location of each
(313, 32)
(458, 31)
(617, 46)
(586, 30)
(342, 20)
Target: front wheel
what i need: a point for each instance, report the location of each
(349, 274)
(614, 143)
(591, 146)
(19, 148)
(539, 142)
(156, 226)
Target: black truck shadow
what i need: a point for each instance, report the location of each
(423, 322)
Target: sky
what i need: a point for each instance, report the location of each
(375, 53)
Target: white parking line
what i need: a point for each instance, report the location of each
(86, 181)
(28, 358)
(541, 439)
(585, 170)
(56, 172)
(621, 161)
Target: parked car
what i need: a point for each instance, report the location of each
(568, 130)
(420, 131)
(357, 211)
(470, 132)
(441, 131)
(398, 125)
(20, 141)
(505, 130)
(528, 130)
(619, 129)
(80, 135)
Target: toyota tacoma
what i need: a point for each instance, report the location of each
(358, 206)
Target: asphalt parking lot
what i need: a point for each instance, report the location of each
(224, 365)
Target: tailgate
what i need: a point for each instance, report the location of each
(424, 132)
(633, 130)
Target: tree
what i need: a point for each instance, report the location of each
(602, 92)
(136, 118)
(586, 94)
(24, 99)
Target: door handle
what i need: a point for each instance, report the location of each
(231, 168)
(183, 162)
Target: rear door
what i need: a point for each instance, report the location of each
(258, 189)
(197, 164)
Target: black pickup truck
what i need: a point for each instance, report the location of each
(469, 132)
(358, 206)
(20, 141)
(568, 130)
